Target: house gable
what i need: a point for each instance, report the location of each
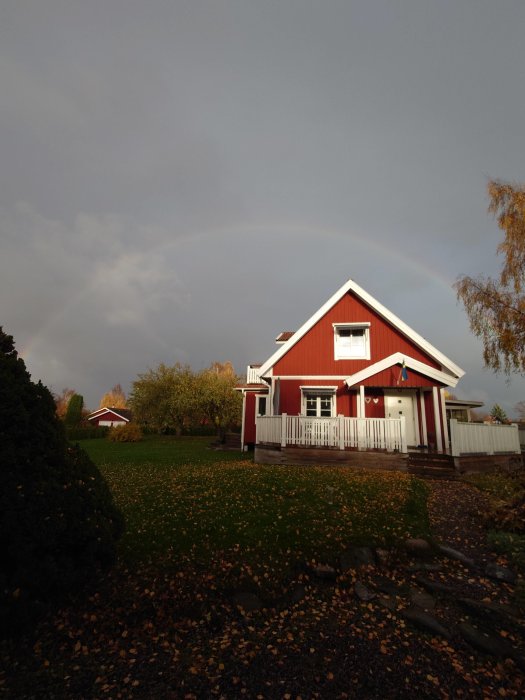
(310, 351)
(110, 415)
(387, 372)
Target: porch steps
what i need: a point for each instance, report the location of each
(433, 465)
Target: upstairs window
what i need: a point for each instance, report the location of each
(352, 341)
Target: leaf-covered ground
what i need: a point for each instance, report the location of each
(165, 623)
(264, 517)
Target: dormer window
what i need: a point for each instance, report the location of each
(352, 341)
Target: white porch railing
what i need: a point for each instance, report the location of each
(480, 438)
(339, 432)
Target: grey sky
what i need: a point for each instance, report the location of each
(180, 181)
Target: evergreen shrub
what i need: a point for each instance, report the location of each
(86, 432)
(58, 522)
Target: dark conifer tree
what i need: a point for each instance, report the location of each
(58, 522)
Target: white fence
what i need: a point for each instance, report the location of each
(481, 438)
(339, 432)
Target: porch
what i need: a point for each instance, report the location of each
(380, 443)
(340, 432)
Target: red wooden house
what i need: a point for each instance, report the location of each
(354, 376)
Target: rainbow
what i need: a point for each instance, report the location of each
(257, 230)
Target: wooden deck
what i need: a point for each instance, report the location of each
(422, 463)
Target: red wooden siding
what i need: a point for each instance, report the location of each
(290, 395)
(429, 410)
(314, 353)
(249, 418)
(346, 399)
(374, 404)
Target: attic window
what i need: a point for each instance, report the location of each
(352, 341)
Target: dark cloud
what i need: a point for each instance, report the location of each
(182, 181)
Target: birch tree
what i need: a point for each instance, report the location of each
(496, 307)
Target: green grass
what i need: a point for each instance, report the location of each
(166, 450)
(498, 485)
(184, 501)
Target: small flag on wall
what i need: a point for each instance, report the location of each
(403, 375)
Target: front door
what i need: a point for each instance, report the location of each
(403, 404)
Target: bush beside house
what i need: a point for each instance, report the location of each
(125, 433)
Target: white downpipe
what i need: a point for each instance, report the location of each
(283, 430)
(437, 420)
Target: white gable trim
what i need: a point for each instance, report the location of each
(398, 358)
(102, 411)
(352, 286)
(99, 411)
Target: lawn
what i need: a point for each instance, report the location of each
(182, 500)
(205, 527)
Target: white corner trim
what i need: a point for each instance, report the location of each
(352, 286)
(398, 358)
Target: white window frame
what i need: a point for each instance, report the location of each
(344, 353)
(321, 391)
(258, 398)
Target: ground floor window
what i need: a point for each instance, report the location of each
(318, 403)
(260, 409)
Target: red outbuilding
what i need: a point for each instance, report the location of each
(110, 417)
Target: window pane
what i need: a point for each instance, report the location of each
(319, 405)
(311, 405)
(325, 406)
(358, 342)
